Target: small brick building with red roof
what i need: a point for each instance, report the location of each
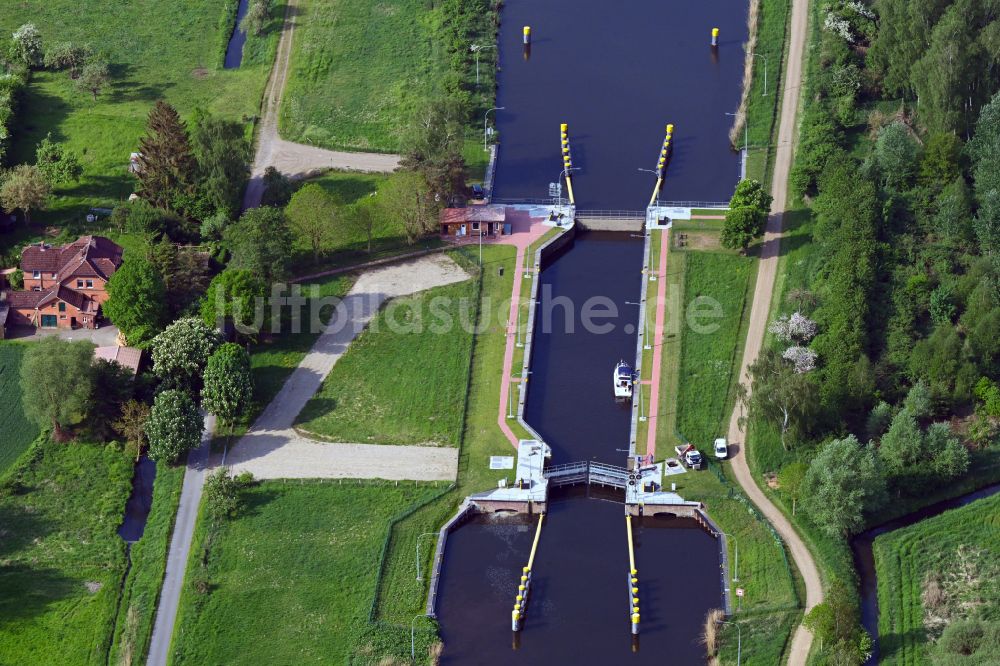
(64, 287)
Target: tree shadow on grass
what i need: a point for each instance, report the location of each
(124, 88)
(27, 589)
(39, 114)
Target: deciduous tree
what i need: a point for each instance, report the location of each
(174, 426)
(26, 45)
(25, 187)
(260, 241)
(136, 300)
(780, 395)
(405, 198)
(238, 294)
(258, 11)
(69, 56)
(95, 75)
(228, 383)
(180, 353)
(842, 483)
(57, 163)
(57, 380)
(313, 216)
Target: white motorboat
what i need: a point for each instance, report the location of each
(623, 378)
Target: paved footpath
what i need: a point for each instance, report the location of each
(180, 548)
(525, 232)
(658, 329)
(798, 653)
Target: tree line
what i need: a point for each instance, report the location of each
(892, 388)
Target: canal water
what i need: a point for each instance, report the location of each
(578, 612)
(140, 501)
(616, 72)
(234, 50)
(864, 557)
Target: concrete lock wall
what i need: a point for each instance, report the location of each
(600, 223)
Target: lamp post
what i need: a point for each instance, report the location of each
(746, 135)
(756, 55)
(739, 640)
(645, 327)
(485, 116)
(476, 48)
(736, 552)
(418, 552)
(657, 174)
(413, 640)
(563, 174)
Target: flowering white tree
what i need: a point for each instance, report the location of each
(28, 45)
(796, 328)
(802, 358)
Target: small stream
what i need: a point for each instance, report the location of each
(864, 557)
(140, 501)
(234, 51)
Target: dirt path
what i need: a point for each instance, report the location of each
(296, 159)
(766, 272)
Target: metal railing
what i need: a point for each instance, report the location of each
(692, 204)
(612, 214)
(586, 472)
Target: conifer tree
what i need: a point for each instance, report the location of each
(166, 165)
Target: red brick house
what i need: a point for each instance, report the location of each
(64, 286)
(474, 221)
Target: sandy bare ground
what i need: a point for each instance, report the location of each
(766, 272)
(295, 159)
(272, 449)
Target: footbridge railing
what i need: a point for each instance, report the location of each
(587, 472)
(612, 214)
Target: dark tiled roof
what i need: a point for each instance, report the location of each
(21, 300)
(29, 300)
(88, 256)
(488, 213)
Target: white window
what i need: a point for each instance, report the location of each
(90, 284)
(36, 274)
(79, 284)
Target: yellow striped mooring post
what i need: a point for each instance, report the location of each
(633, 579)
(715, 37)
(527, 34)
(524, 585)
(661, 163)
(567, 159)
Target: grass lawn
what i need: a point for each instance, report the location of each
(291, 580)
(274, 358)
(965, 540)
(141, 592)
(16, 432)
(709, 359)
(403, 380)
(358, 69)
(400, 596)
(61, 560)
(169, 50)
